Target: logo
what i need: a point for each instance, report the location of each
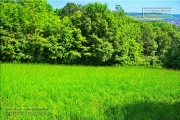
(156, 12)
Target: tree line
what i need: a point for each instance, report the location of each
(32, 31)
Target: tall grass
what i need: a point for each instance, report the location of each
(89, 93)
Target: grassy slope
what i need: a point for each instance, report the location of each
(78, 92)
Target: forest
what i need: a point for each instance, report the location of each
(32, 31)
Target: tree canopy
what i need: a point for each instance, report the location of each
(32, 31)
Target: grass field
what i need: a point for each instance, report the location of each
(31, 91)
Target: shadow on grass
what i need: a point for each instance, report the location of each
(144, 111)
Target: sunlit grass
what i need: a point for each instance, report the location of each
(84, 92)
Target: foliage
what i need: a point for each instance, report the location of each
(32, 31)
(172, 56)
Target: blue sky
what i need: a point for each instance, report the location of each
(127, 5)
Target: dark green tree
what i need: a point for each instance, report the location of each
(70, 9)
(172, 56)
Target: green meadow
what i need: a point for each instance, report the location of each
(57, 92)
